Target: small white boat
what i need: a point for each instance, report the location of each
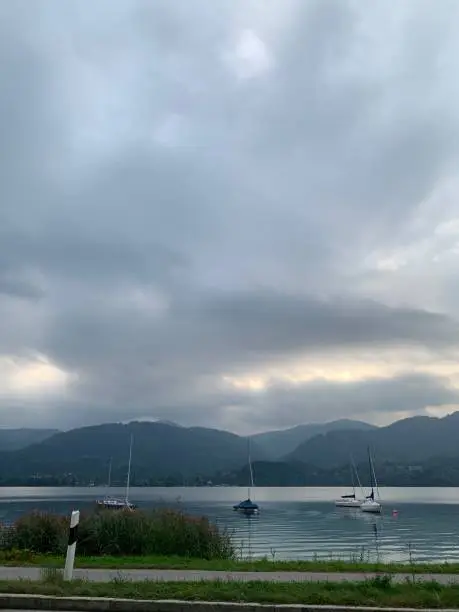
(111, 503)
(348, 501)
(351, 501)
(370, 504)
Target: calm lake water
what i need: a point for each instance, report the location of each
(294, 523)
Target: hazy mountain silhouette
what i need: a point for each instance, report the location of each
(277, 444)
(14, 439)
(412, 440)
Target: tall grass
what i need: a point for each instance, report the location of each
(39, 532)
(379, 592)
(117, 533)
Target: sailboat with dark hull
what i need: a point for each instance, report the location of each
(247, 506)
(351, 500)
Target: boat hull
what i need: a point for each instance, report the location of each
(371, 506)
(348, 503)
(246, 507)
(249, 512)
(112, 504)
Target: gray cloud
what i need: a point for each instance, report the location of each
(410, 393)
(215, 333)
(278, 406)
(169, 217)
(14, 287)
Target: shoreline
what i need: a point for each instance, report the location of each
(26, 559)
(121, 487)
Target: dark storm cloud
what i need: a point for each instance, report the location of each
(170, 361)
(16, 288)
(270, 321)
(410, 393)
(221, 329)
(279, 406)
(150, 261)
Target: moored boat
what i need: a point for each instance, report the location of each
(248, 506)
(348, 501)
(370, 504)
(351, 500)
(111, 503)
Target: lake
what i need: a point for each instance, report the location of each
(294, 523)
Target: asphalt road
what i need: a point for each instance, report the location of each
(105, 575)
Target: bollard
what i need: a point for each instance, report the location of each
(71, 546)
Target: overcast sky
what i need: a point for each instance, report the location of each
(240, 214)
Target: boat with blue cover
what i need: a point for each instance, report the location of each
(248, 506)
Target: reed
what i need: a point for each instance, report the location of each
(121, 533)
(39, 532)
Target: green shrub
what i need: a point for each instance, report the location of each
(114, 533)
(124, 532)
(40, 532)
(6, 536)
(174, 533)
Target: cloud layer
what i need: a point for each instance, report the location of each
(240, 216)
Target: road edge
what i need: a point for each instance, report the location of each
(102, 604)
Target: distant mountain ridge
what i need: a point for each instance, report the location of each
(15, 439)
(277, 444)
(160, 450)
(415, 451)
(414, 439)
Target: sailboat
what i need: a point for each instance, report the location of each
(248, 506)
(119, 504)
(370, 504)
(351, 501)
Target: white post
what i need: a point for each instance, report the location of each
(71, 546)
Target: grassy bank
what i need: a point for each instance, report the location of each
(375, 592)
(28, 558)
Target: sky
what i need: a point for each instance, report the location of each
(240, 214)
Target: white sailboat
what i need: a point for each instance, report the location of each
(370, 504)
(119, 504)
(248, 506)
(351, 500)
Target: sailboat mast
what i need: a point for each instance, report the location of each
(250, 468)
(128, 481)
(357, 476)
(374, 476)
(110, 473)
(371, 474)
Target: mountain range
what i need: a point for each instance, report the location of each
(278, 444)
(418, 450)
(160, 450)
(15, 439)
(410, 440)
